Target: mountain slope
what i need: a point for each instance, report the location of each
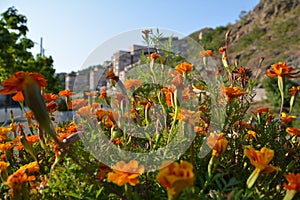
(271, 30)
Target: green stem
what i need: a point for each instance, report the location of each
(289, 194)
(281, 89)
(128, 191)
(252, 178)
(175, 115)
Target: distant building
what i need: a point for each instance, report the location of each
(93, 78)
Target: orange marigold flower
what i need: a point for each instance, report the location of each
(218, 143)
(146, 31)
(260, 159)
(52, 107)
(206, 53)
(244, 124)
(85, 111)
(107, 117)
(126, 173)
(30, 167)
(3, 166)
(294, 91)
(293, 131)
(191, 117)
(261, 111)
(6, 146)
(222, 49)
(201, 130)
(184, 68)
(281, 69)
(16, 84)
(16, 180)
(294, 181)
(102, 171)
(77, 103)
(176, 177)
(66, 93)
(233, 92)
(31, 140)
(29, 115)
(177, 80)
(169, 95)
(3, 133)
(251, 135)
(132, 84)
(91, 94)
(286, 118)
(50, 97)
(154, 56)
(111, 76)
(103, 94)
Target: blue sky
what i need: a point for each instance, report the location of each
(72, 30)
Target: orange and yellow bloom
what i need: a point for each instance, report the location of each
(126, 173)
(232, 92)
(218, 143)
(16, 84)
(22, 175)
(176, 177)
(260, 160)
(293, 185)
(293, 131)
(66, 93)
(206, 53)
(3, 133)
(132, 84)
(154, 56)
(281, 69)
(184, 68)
(287, 118)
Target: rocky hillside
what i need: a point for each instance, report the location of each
(271, 30)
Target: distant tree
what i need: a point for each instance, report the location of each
(14, 50)
(243, 14)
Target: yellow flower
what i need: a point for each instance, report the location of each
(286, 118)
(126, 173)
(260, 160)
(218, 144)
(3, 133)
(251, 134)
(176, 177)
(30, 167)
